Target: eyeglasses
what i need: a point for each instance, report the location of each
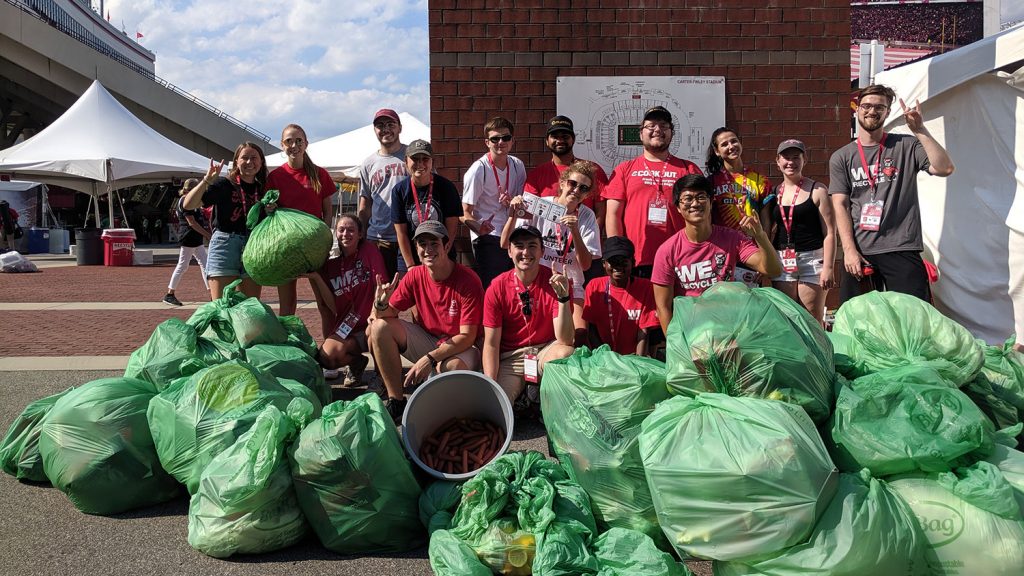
(502, 138)
(294, 142)
(385, 125)
(873, 107)
(581, 188)
(655, 127)
(524, 299)
(690, 200)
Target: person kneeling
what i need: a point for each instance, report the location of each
(448, 297)
(527, 320)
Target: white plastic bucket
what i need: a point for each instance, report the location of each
(455, 394)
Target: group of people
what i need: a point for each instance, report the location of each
(545, 282)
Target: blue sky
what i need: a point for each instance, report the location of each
(326, 65)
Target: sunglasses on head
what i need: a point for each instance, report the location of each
(581, 188)
(524, 299)
(503, 138)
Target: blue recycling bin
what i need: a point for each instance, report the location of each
(38, 240)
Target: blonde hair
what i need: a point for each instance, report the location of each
(188, 185)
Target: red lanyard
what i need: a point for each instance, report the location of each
(787, 221)
(416, 199)
(563, 251)
(872, 177)
(659, 174)
(238, 182)
(508, 174)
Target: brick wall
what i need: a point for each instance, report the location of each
(786, 65)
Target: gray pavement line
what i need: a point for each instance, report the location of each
(62, 363)
(157, 305)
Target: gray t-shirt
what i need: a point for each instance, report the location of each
(377, 176)
(896, 185)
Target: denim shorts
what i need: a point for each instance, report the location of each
(808, 268)
(224, 257)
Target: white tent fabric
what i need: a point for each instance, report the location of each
(973, 221)
(99, 145)
(342, 154)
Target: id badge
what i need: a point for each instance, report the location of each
(788, 257)
(657, 213)
(530, 367)
(871, 215)
(346, 327)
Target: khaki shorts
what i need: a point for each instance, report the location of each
(418, 342)
(510, 369)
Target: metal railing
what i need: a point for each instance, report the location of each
(55, 17)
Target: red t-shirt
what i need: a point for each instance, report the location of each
(639, 183)
(297, 191)
(731, 195)
(443, 306)
(543, 181)
(353, 281)
(694, 267)
(504, 309)
(632, 308)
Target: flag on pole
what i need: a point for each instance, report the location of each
(138, 35)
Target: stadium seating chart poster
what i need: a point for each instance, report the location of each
(607, 112)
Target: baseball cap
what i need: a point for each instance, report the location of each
(791, 143)
(386, 113)
(559, 123)
(617, 246)
(433, 228)
(419, 148)
(658, 112)
(525, 229)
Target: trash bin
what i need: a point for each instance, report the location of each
(118, 246)
(58, 241)
(38, 240)
(88, 247)
(455, 394)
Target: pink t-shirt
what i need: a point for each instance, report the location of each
(443, 306)
(353, 282)
(297, 191)
(503, 308)
(694, 267)
(543, 181)
(632, 308)
(640, 184)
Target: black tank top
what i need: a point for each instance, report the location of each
(807, 233)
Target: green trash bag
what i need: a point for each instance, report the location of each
(353, 481)
(285, 245)
(867, 529)
(735, 478)
(170, 353)
(292, 363)
(594, 402)
(96, 448)
(195, 419)
(981, 391)
(1004, 369)
(965, 537)
(438, 503)
(450, 556)
(246, 500)
(237, 319)
(623, 552)
(907, 418)
(745, 342)
(890, 329)
(300, 390)
(19, 450)
(1011, 463)
(298, 335)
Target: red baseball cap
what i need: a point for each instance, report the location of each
(386, 113)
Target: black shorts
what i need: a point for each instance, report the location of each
(894, 271)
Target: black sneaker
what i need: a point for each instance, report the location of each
(170, 299)
(395, 408)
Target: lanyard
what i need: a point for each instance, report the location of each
(744, 189)
(608, 305)
(508, 174)
(787, 221)
(563, 249)
(661, 182)
(533, 303)
(416, 199)
(872, 176)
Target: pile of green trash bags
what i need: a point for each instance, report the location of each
(735, 478)
(594, 403)
(998, 389)
(285, 244)
(19, 450)
(881, 330)
(246, 500)
(907, 418)
(96, 447)
(291, 363)
(198, 417)
(750, 342)
(353, 481)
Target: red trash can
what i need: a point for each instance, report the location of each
(118, 246)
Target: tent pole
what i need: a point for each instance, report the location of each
(110, 205)
(96, 205)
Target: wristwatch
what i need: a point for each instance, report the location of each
(562, 299)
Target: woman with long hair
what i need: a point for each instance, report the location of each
(303, 186)
(231, 199)
(191, 242)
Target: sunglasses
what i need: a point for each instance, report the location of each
(503, 138)
(524, 299)
(581, 188)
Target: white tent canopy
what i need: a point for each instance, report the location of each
(973, 221)
(342, 154)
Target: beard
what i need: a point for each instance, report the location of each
(870, 124)
(658, 148)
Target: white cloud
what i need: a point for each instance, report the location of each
(323, 64)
